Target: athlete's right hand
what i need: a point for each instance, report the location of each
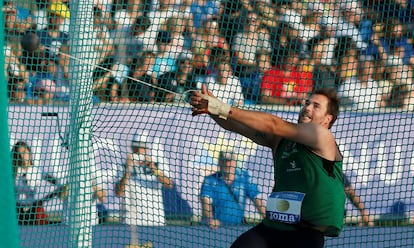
(206, 103)
(200, 104)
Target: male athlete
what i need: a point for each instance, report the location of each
(307, 201)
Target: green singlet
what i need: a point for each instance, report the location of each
(297, 169)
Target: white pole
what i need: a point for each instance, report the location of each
(80, 208)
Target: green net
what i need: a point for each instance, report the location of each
(105, 151)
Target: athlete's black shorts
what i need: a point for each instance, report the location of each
(262, 236)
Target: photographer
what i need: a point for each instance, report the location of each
(145, 174)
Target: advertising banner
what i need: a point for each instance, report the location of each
(377, 148)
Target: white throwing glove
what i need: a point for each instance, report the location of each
(217, 107)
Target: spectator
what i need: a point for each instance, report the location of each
(182, 79)
(51, 37)
(146, 172)
(225, 85)
(286, 84)
(17, 77)
(44, 65)
(399, 72)
(367, 76)
(165, 63)
(175, 26)
(33, 187)
(41, 15)
(119, 87)
(165, 60)
(392, 35)
(181, 29)
(44, 91)
(213, 36)
(184, 11)
(356, 201)
(208, 38)
(323, 71)
(127, 12)
(103, 42)
(358, 87)
(103, 80)
(223, 194)
(17, 21)
(184, 76)
(140, 79)
(245, 47)
(334, 21)
(293, 14)
(140, 30)
(231, 17)
(158, 18)
(203, 10)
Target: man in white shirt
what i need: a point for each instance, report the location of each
(141, 185)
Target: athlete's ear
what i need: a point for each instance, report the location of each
(328, 119)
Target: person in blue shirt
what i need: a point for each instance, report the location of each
(223, 194)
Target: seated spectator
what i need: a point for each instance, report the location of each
(165, 59)
(208, 38)
(103, 80)
(358, 88)
(181, 80)
(16, 75)
(127, 12)
(140, 80)
(334, 20)
(44, 91)
(119, 87)
(33, 187)
(43, 65)
(110, 85)
(51, 37)
(225, 85)
(140, 31)
(17, 21)
(103, 42)
(158, 18)
(223, 194)
(203, 10)
(184, 75)
(246, 45)
(16, 90)
(167, 88)
(230, 18)
(184, 11)
(286, 84)
(293, 14)
(165, 62)
(397, 55)
(213, 36)
(320, 64)
(181, 30)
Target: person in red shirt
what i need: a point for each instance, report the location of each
(288, 83)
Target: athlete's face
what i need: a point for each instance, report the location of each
(316, 110)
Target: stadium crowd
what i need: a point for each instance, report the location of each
(248, 52)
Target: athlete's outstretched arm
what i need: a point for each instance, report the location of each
(263, 128)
